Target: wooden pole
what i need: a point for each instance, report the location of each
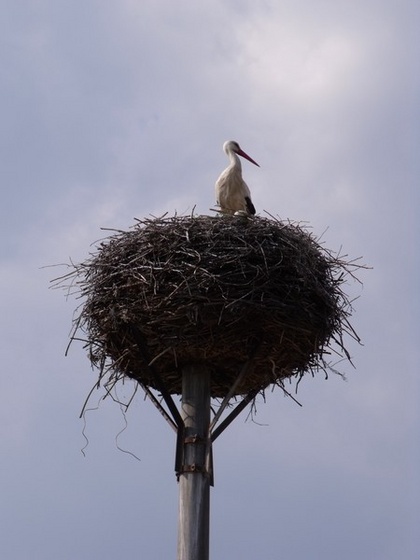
(194, 478)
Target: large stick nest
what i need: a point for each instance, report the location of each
(217, 291)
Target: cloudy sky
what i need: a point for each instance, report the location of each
(116, 110)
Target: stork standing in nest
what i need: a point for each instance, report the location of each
(232, 193)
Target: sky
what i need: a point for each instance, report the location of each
(118, 110)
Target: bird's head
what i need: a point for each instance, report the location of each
(231, 146)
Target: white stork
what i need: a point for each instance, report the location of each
(232, 193)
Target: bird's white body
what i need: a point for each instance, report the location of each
(232, 193)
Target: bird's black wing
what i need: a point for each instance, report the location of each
(249, 206)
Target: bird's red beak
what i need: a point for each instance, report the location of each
(246, 156)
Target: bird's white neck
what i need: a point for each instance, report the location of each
(234, 160)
